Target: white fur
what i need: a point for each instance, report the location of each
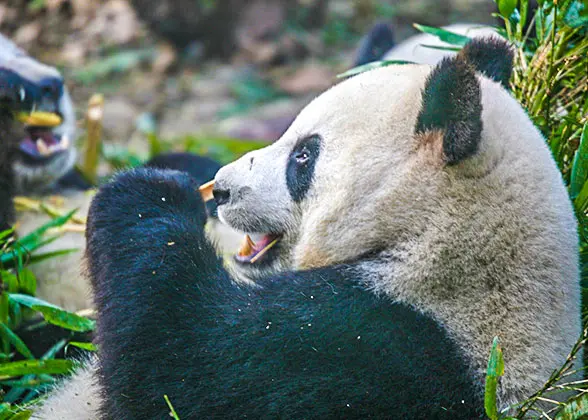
(76, 399)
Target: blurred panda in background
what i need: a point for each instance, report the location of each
(42, 163)
(46, 154)
(380, 42)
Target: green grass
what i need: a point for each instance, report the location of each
(22, 376)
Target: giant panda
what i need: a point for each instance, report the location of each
(416, 213)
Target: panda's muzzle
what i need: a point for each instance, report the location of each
(250, 251)
(40, 116)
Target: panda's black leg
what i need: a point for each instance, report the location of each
(151, 268)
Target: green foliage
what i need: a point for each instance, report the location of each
(493, 373)
(22, 380)
(116, 63)
(85, 346)
(371, 66)
(172, 413)
(221, 148)
(575, 409)
(444, 35)
(250, 91)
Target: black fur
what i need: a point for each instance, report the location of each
(312, 344)
(378, 41)
(6, 172)
(73, 180)
(451, 103)
(15, 96)
(491, 56)
(201, 168)
(299, 173)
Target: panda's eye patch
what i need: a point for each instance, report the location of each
(300, 168)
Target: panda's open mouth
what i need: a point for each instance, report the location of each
(42, 142)
(252, 251)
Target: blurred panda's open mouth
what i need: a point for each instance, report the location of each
(42, 142)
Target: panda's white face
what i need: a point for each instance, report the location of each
(317, 191)
(373, 163)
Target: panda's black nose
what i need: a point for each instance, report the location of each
(221, 196)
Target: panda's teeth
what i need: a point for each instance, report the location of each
(42, 148)
(64, 141)
(247, 247)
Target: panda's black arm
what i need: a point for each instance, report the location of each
(311, 344)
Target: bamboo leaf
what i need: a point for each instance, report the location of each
(85, 346)
(576, 409)
(172, 413)
(27, 283)
(5, 411)
(64, 319)
(27, 367)
(23, 415)
(30, 301)
(33, 240)
(507, 7)
(371, 66)
(4, 309)
(493, 373)
(48, 255)
(444, 35)
(439, 47)
(9, 281)
(29, 382)
(580, 165)
(6, 233)
(15, 340)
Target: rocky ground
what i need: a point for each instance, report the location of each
(278, 59)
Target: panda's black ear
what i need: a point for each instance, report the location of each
(451, 107)
(491, 56)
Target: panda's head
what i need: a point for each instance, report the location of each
(364, 165)
(45, 152)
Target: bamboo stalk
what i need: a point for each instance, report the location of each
(94, 117)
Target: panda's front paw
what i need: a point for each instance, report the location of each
(139, 220)
(140, 196)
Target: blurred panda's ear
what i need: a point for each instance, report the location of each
(451, 110)
(491, 56)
